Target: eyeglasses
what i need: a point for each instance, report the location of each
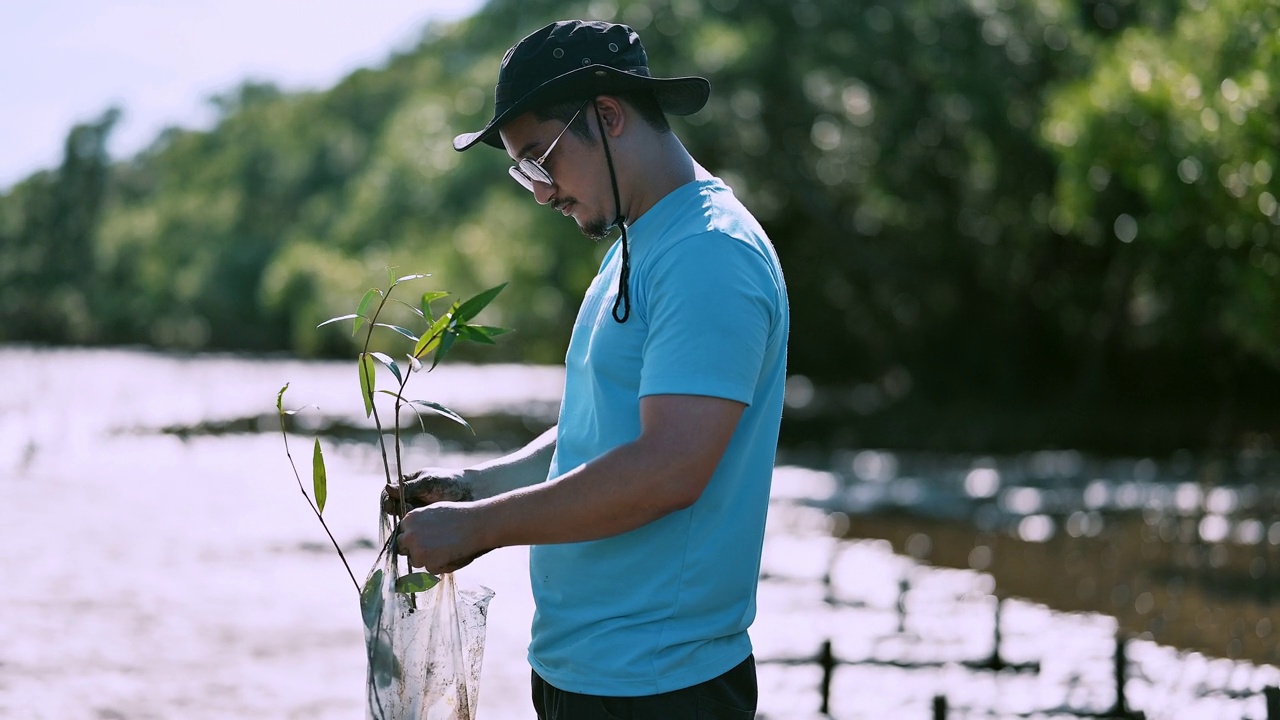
(527, 171)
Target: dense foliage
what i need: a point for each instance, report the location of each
(1033, 205)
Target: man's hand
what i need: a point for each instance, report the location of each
(441, 538)
(424, 487)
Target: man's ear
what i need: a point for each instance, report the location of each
(613, 113)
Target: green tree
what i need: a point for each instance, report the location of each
(1168, 150)
(48, 227)
(985, 208)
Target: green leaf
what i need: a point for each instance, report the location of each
(280, 403)
(371, 599)
(398, 329)
(337, 319)
(473, 306)
(466, 332)
(319, 481)
(480, 333)
(367, 382)
(434, 407)
(384, 666)
(490, 330)
(431, 337)
(416, 582)
(446, 412)
(427, 344)
(391, 364)
(412, 309)
(363, 308)
(427, 299)
(446, 342)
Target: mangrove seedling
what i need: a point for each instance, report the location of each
(429, 336)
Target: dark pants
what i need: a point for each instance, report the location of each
(732, 696)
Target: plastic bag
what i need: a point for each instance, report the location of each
(424, 648)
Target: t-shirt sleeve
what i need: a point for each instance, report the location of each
(711, 306)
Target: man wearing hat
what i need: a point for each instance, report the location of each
(645, 506)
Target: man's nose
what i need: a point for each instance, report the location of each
(543, 192)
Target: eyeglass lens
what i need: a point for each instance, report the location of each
(527, 171)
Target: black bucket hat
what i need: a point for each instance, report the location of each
(576, 59)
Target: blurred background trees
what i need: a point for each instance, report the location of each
(1005, 223)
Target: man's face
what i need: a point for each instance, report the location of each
(579, 187)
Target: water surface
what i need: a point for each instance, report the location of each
(161, 574)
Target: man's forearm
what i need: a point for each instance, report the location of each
(617, 492)
(527, 466)
(663, 470)
(666, 468)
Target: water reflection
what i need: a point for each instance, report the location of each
(903, 628)
(1180, 553)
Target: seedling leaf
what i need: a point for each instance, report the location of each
(319, 480)
(413, 309)
(473, 306)
(337, 319)
(367, 382)
(280, 399)
(446, 342)
(371, 599)
(363, 308)
(446, 412)
(427, 299)
(427, 347)
(480, 333)
(490, 330)
(466, 332)
(398, 329)
(391, 364)
(431, 337)
(433, 407)
(416, 582)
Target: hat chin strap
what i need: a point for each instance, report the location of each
(623, 300)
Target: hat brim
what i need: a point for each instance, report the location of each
(676, 96)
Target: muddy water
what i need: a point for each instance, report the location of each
(147, 574)
(153, 575)
(1220, 611)
(1181, 552)
(901, 633)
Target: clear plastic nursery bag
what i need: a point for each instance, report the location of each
(425, 643)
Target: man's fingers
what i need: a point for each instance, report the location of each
(402, 547)
(390, 500)
(395, 499)
(457, 565)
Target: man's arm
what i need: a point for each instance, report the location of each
(527, 466)
(524, 467)
(682, 439)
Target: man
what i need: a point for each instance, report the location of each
(645, 506)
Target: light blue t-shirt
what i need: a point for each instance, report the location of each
(667, 606)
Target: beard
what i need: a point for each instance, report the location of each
(596, 228)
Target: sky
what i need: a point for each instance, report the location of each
(67, 61)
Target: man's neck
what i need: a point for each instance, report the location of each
(659, 169)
